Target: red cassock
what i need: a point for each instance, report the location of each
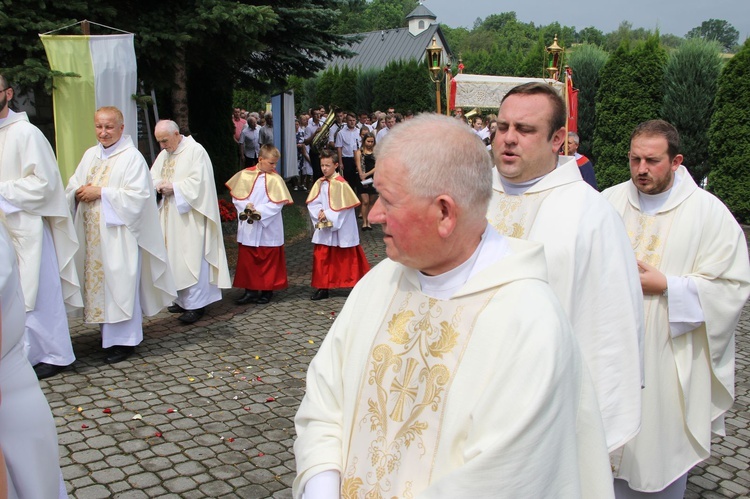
(335, 267)
(261, 268)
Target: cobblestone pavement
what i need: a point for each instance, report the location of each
(207, 410)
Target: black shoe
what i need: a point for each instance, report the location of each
(320, 294)
(175, 309)
(264, 297)
(248, 297)
(191, 316)
(118, 353)
(44, 370)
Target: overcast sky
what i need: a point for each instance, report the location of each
(670, 16)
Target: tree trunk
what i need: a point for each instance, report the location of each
(179, 91)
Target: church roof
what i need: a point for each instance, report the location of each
(378, 48)
(421, 11)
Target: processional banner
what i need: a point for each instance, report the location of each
(108, 77)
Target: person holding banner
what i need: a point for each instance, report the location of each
(122, 260)
(33, 200)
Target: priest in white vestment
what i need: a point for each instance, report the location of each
(32, 197)
(696, 279)
(541, 196)
(189, 217)
(122, 261)
(452, 370)
(28, 438)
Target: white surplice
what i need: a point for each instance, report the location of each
(690, 376)
(120, 236)
(344, 232)
(480, 395)
(28, 437)
(33, 199)
(191, 223)
(594, 275)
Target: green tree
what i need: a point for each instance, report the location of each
(729, 136)
(365, 89)
(535, 61)
(344, 91)
(718, 30)
(587, 61)
(387, 14)
(624, 33)
(630, 91)
(454, 37)
(22, 56)
(326, 85)
(690, 83)
(404, 85)
(590, 35)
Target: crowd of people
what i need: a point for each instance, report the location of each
(527, 336)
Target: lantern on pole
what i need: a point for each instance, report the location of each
(555, 52)
(434, 64)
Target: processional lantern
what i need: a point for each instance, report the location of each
(434, 64)
(555, 52)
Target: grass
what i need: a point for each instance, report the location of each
(296, 223)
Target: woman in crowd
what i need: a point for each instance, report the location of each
(364, 158)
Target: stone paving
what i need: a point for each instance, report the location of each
(207, 410)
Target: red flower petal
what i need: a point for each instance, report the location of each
(230, 439)
(260, 454)
(270, 399)
(107, 411)
(170, 411)
(157, 434)
(258, 379)
(84, 426)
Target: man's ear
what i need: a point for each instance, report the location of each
(447, 215)
(558, 139)
(676, 162)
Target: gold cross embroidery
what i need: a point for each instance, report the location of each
(409, 388)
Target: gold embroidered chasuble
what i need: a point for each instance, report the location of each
(413, 360)
(594, 274)
(689, 381)
(93, 269)
(482, 395)
(113, 250)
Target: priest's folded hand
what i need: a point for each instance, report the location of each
(653, 282)
(88, 193)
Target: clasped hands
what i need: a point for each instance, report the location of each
(88, 193)
(165, 188)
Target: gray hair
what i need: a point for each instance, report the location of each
(442, 156)
(169, 126)
(575, 137)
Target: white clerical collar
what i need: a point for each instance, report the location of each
(106, 152)
(181, 146)
(10, 113)
(651, 203)
(516, 189)
(445, 285)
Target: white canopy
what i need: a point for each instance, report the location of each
(469, 90)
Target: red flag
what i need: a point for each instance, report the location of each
(572, 102)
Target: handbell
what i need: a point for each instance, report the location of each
(324, 224)
(249, 215)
